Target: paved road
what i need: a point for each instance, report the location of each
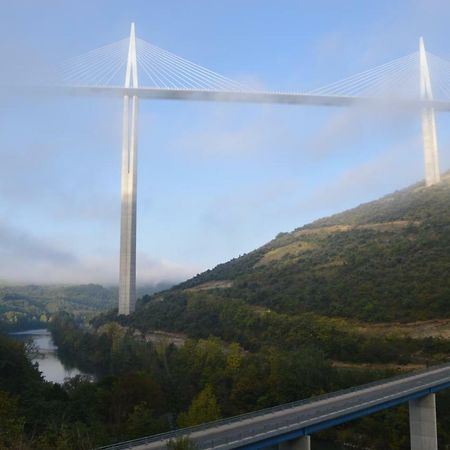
(266, 427)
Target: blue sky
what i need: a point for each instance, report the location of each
(215, 180)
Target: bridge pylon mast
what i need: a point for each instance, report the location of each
(127, 276)
(429, 136)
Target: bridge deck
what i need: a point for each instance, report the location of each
(203, 95)
(272, 426)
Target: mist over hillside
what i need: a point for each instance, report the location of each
(387, 260)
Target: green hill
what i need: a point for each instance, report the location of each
(28, 306)
(387, 260)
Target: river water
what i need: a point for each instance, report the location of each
(49, 363)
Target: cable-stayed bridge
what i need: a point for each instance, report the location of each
(136, 70)
(164, 75)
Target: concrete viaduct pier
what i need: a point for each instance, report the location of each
(423, 424)
(127, 271)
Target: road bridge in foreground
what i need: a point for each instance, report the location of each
(290, 425)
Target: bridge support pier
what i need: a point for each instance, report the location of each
(301, 443)
(127, 272)
(422, 423)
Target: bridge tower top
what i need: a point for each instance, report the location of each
(131, 76)
(426, 92)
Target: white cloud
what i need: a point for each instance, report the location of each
(27, 258)
(15, 243)
(223, 134)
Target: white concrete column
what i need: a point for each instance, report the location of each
(301, 443)
(127, 271)
(429, 135)
(422, 423)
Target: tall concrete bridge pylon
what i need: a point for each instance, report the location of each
(429, 136)
(127, 277)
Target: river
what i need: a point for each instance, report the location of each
(50, 365)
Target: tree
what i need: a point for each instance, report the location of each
(235, 357)
(204, 408)
(143, 422)
(11, 424)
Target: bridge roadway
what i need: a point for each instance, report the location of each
(286, 98)
(286, 422)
